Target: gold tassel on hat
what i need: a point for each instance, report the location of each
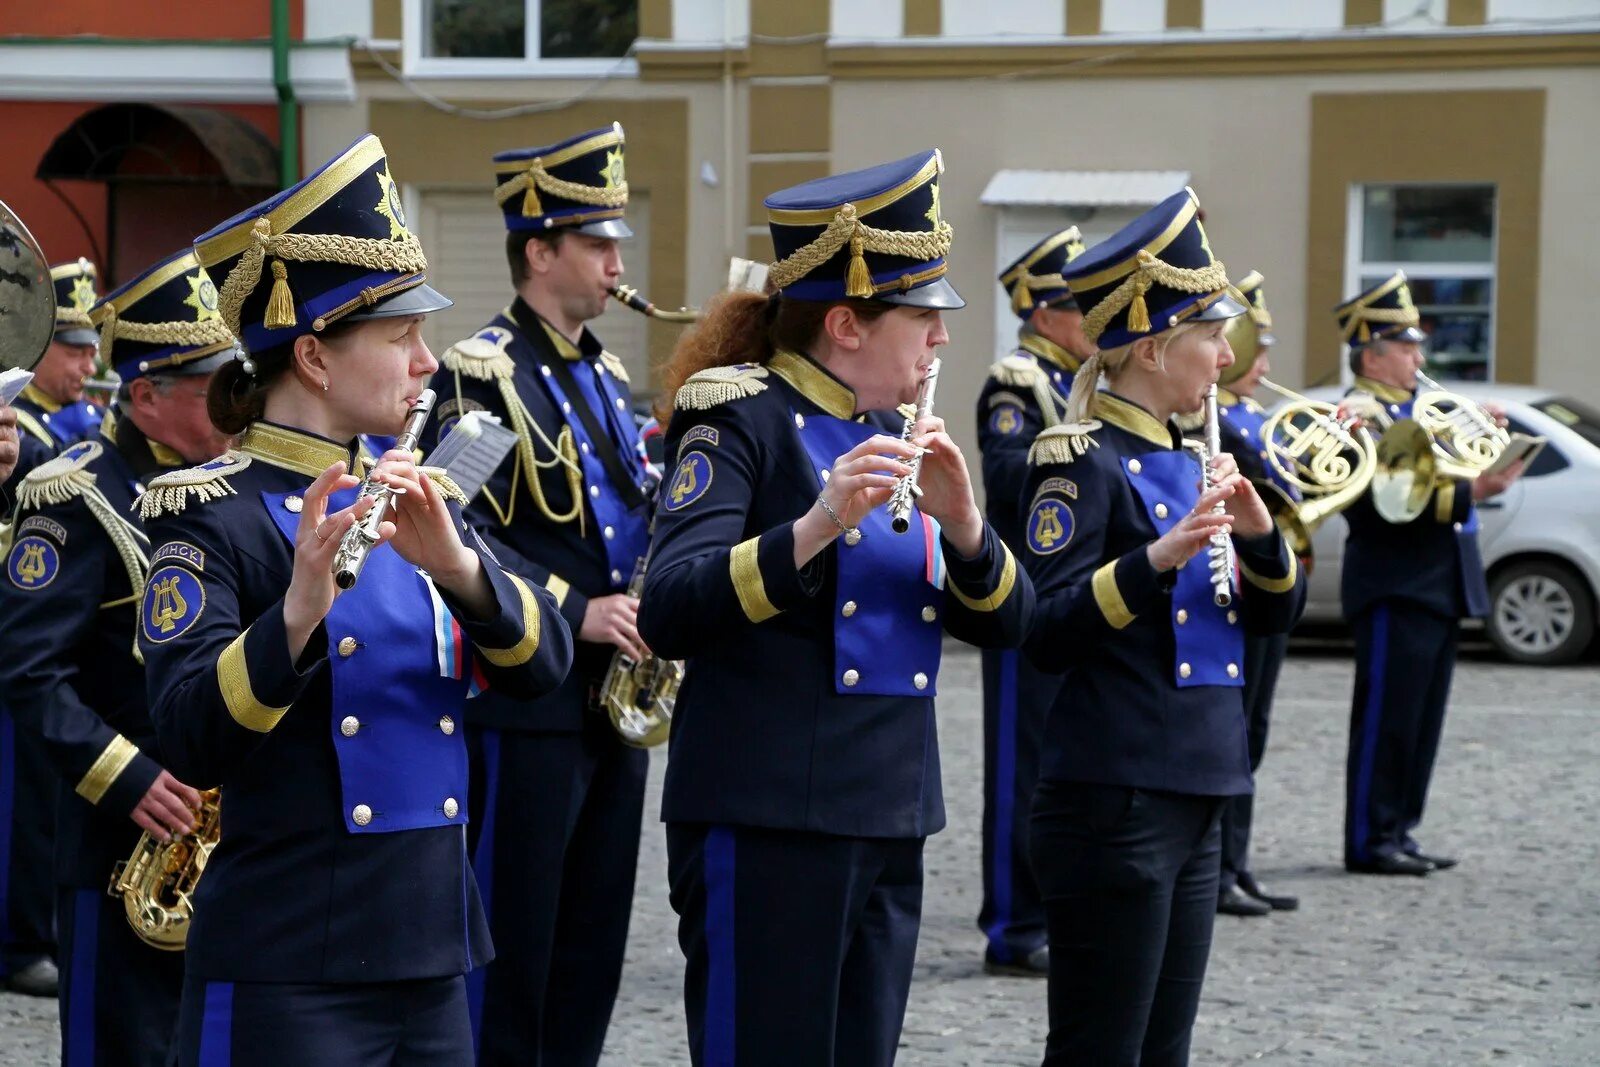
(280, 305)
(530, 201)
(1021, 297)
(858, 280)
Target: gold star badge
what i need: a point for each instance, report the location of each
(83, 292)
(614, 172)
(202, 297)
(389, 205)
(932, 214)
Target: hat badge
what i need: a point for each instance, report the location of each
(389, 205)
(202, 297)
(615, 171)
(83, 292)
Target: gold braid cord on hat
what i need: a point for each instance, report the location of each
(402, 255)
(72, 317)
(1359, 322)
(535, 178)
(1022, 289)
(205, 333)
(1149, 271)
(847, 228)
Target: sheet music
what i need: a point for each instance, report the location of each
(12, 382)
(473, 450)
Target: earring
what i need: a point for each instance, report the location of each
(324, 385)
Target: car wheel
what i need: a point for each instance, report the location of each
(1541, 612)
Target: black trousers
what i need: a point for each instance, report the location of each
(28, 786)
(1016, 698)
(798, 946)
(1129, 878)
(1263, 659)
(554, 840)
(119, 997)
(1405, 660)
(417, 1023)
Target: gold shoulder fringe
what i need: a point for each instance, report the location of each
(615, 367)
(478, 357)
(169, 493)
(445, 484)
(719, 385)
(1063, 444)
(1018, 372)
(60, 479)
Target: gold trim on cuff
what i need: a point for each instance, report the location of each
(558, 587)
(1109, 597)
(1002, 589)
(744, 567)
(523, 650)
(111, 762)
(1444, 503)
(233, 678)
(1271, 585)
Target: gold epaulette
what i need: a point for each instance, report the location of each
(1063, 444)
(1017, 372)
(614, 365)
(481, 357)
(445, 484)
(168, 494)
(719, 385)
(60, 479)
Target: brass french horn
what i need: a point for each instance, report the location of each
(1448, 437)
(1328, 460)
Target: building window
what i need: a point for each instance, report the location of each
(1443, 237)
(485, 38)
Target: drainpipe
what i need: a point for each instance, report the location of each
(288, 110)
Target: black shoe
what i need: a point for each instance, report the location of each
(38, 979)
(1035, 964)
(1440, 863)
(1235, 901)
(1391, 863)
(1275, 901)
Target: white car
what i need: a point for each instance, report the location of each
(1540, 539)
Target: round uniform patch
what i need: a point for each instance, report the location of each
(1050, 525)
(690, 481)
(33, 563)
(1006, 420)
(173, 601)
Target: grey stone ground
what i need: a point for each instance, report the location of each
(1497, 962)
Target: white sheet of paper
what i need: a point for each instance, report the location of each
(12, 383)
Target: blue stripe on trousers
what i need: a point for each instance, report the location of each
(216, 1026)
(720, 1019)
(8, 780)
(78, 1033)
(483, 868)
(1361, 820)
(1005, 788)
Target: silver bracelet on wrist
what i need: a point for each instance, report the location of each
(851, 534)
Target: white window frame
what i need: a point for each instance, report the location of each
(531, 65)
(1356, 268)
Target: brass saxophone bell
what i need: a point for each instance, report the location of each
(157, 882)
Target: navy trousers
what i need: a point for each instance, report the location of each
(1129, 878)
(28, 786)
(798, 946)
(554, 840)
(416, 1023)
(1016, 698)
(119, 997)
(1405, 659)
(1263, 659)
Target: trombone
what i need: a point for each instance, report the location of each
(1449, 436)
(1329, 461)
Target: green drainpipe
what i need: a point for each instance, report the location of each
(288, 110)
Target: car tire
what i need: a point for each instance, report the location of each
(1541, 612)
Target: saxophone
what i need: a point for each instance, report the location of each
(157, 882)
(638, 695)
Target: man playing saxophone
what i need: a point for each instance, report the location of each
(68, 612)
(1405, 587)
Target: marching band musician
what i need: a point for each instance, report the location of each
(1405, 587)
(557, 798)
(1147, 737)
(804, 771)
(1242, 417)
(68, 612)
(338, 913)
(52, 405)
(1024, 394)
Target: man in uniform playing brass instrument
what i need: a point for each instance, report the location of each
(68, 607)
(1405, 587)
(556, 798)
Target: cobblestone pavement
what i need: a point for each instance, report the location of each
(1496, 962)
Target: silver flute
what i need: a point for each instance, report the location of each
(1220, 555)
(906, 490)
(361, 538)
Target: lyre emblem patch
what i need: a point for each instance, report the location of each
(1006, 420)
(33, 563)
(689, 482)
(1050, 526)
(173, 601)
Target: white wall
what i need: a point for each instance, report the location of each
(1516, 10)
(973, 18)
(868, 18)
(1133, 16)
(703, 20)
(337, 18)
(1234, 16)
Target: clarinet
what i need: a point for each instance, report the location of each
(360, 539)
(906, 490)
(1220, 555)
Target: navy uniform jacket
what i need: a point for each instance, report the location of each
(1154, 667)
(1432, 561)
(592, 544)
(808, 700)
(1026, 392)
(68, 608)
(35, 444)
(344, 774)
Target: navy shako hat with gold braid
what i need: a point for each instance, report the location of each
(1155, 273)
(75, 295)
(580, 183)
(332, 248)
(1255, 296)
(1382, 313)
(872, 234)
(165, 321)
(1035, 280)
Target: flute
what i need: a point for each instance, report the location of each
(906, 490)
(1220, 554)
(361, 538)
